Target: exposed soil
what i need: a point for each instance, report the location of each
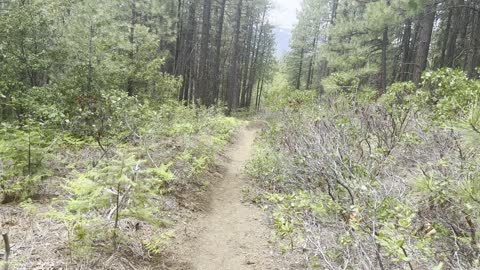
(229, 234)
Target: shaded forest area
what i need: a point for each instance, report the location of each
(230, 60)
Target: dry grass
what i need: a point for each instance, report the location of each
(358, 160)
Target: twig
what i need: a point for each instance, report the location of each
(406, 255)
(379, 257)
(117, 211)
(475, 128)
(7, 249)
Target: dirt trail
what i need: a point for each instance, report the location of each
(231, 235)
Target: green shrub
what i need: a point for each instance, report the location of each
(281, 95)
(117, 189)
(351, 82)
(22, 154)
(266, 168)
(450, 93)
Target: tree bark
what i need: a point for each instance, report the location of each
(424, 39)
(383, 70)
(131, 54)
(218, 50)
(246, 66)
(407, 35)
(205, 94)
(234, 87)
(453, 35)
(474, 52)
(300, 69)
(445, 38)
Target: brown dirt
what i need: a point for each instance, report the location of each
(230, 234)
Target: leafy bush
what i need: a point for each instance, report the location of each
(449, 92)
(281, 95)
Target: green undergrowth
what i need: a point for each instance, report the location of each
(112, 183)
(352, 181)
(166, 156)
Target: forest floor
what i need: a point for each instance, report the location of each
(214, 227)
(230, 233)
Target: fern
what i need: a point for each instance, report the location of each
(23, 150)
(114, 190)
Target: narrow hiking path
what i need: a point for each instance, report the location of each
(231, 234)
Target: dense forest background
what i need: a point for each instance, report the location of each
(62, 55)
(382, 42)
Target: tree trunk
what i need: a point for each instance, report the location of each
(205, 94)
(300, 69)
(468, 15)
(131, 54)
(474, 54)
(452, 38)
(6, 242)
(234, 87)
(179, 40)
(445, 38)
(246, 71)
(250, 75)
(311, 64)
(407, 33)
(218, 50)
(257, 56)
(412, 53)
(90, 57)
(424, 39)
(259, 93)
(333, 16)
(383, 70)
(189, 54)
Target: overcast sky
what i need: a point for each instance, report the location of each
(284, 13)
(284, 17)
